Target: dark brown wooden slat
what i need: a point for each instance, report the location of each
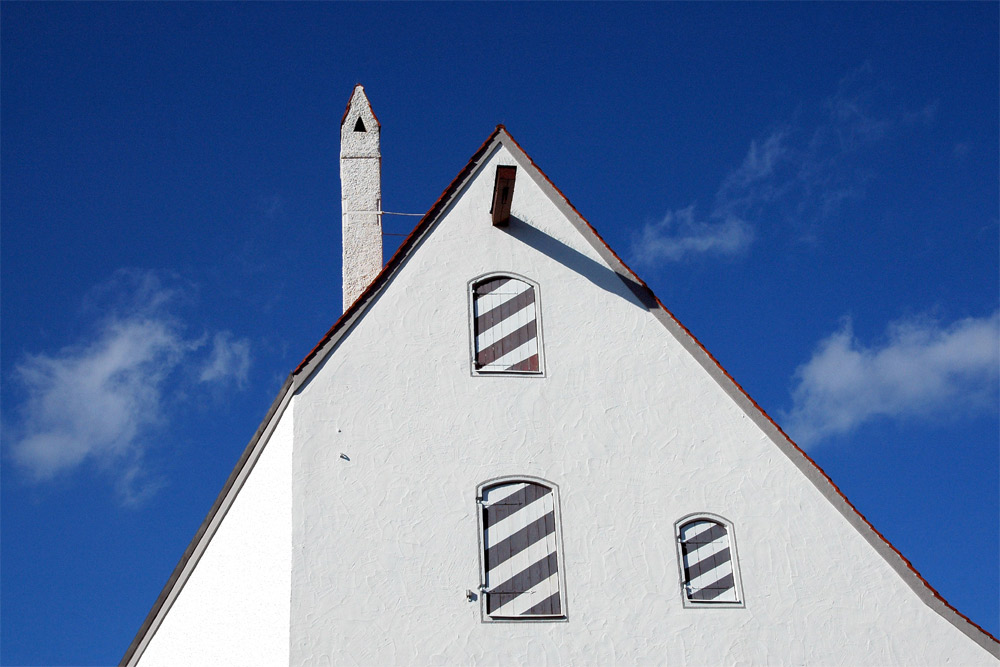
(529, 364)
(491, 317)
(521, 540)
(501, 347)
(503, 195)
(490, 285)
(503, 508)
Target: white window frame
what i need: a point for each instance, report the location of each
(471, 297)
(737, 580)
(561, 561)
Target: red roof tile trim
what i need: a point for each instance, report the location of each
(432, 213)
(347, 110)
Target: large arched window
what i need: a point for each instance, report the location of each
(520, 537)
(505, 326)
(707, 551)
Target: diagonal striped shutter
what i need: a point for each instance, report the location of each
(506, 325)
(708, 562)
(520, 559)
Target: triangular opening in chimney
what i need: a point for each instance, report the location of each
(360, 126)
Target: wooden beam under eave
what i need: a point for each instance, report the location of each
(503, 194)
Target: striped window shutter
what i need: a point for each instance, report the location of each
(506, 326)
(708, 562)
(521, 555)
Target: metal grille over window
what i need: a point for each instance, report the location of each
(506, 326)
(708, 562)
(520, 551)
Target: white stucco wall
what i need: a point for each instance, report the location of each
(626, 423)
(234, 609)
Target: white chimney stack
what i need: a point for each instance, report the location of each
(361, 195)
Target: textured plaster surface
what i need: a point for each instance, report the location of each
(631, 428)
(361, 197)
(234, 609)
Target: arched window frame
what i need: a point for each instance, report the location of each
(735, 560)
(539, 328)
(480, 513)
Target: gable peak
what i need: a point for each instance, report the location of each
(362, 108)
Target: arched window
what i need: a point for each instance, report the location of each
(505, 326)
(521, 578)
(709, 571)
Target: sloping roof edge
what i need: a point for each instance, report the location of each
(899, 563)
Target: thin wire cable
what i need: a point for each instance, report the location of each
(413, 215)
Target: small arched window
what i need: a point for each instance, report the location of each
(505, 326)
(709, 571)
(521, 578)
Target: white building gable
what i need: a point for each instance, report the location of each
(620, 501)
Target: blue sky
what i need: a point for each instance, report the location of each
(811, 189)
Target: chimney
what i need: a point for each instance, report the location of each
(360, 195)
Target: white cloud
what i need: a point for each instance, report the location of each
(94, 399)
(229, 360)
(800, 174)
(679, 234)
(923, 369)
(100, 399)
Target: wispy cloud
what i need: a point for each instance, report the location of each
(100, 398)
(228, 361)
(679, 234)
(922, 369)
(799, 173)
